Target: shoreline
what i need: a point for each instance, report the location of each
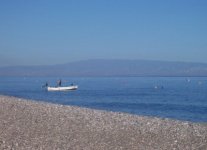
(27, 124)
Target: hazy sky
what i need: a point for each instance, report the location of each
(35, 32)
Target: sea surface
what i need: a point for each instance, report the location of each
(179, 98)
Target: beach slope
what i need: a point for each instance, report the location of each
(26, 124)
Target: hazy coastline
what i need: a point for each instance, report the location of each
(35, 125)
(110, 68)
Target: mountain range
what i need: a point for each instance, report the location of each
(110, 67)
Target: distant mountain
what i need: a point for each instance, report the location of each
(104, 67)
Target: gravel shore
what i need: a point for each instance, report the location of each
(26, 124)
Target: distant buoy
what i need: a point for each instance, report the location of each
(188, 80)
(158, 87)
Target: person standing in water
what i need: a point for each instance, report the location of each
(45, 85)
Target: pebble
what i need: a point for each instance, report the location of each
(26, 124)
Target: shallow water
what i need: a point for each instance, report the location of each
(177, 98)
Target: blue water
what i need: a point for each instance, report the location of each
(174, 98)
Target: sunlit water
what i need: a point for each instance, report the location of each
(178, 98)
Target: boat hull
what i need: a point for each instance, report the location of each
(67, 88)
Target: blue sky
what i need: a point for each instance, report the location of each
(42, 32)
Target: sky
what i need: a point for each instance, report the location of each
(46, 32)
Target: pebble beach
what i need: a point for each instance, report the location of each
(27, 124)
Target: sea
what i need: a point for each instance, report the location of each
(180, 98)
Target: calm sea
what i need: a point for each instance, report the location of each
(177, 98)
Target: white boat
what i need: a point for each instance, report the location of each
(62, 88)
